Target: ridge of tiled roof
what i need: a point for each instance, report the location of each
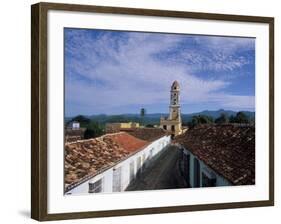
(147, 134)
(128, 142)
(87, 158)
(227, 149)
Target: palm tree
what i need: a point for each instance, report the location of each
(142, 114)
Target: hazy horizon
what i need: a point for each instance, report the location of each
(88, 115)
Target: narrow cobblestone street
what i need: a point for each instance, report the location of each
(164, 173)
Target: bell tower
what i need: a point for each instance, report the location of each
(172, 123)
(174, 102)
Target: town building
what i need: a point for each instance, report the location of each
(74, 125)
(111, 162)
(173, 122)
(218, 155)
(73, 132)
(119, 126)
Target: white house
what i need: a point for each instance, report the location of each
(122, 156)
(198, 174)
(74, 132)
(218, 155)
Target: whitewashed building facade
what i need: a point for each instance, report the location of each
(218, 155)
(117, 177)
(198, 174)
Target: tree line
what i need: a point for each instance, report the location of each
(93, 128)
(240, 117)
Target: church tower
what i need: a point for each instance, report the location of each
(174, 101)
(173, 122)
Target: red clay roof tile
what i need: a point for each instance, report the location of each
(86, 158)
(227, 149)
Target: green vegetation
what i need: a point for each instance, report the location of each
(200, 119)
(84, 121)
(222, 119)
(95, 125)
(240, 117)
(93, 128)
(103, 119)
(149, 126)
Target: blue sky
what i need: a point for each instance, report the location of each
(115, 72)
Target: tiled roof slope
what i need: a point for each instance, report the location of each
(147, 134)
(227, 149)
(85, 159)
(126, 141)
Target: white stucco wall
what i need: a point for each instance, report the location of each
(220, 181)
(107, 176)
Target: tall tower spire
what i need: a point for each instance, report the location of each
(173, 122)
(174, 101)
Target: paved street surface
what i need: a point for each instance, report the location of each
(164, 173)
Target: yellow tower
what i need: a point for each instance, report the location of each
(173, 122)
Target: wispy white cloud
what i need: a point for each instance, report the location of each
(213, 53)
(108, 70)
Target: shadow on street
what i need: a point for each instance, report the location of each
(164, 173)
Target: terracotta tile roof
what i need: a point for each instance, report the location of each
(147, 134)
(85, 159)
(128, 142)
(227, 149)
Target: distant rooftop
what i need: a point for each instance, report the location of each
(227, 149)
(147, 134)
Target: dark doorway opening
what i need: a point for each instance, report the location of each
(208, 182)
(186, 167)
(196, 173)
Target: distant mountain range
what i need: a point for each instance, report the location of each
(155, 117)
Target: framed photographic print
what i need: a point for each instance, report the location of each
(140, 111)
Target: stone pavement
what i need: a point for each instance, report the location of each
(164, 173)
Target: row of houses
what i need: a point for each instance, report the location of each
(111, 162)
(73, 131)
(212, 155)
(218, 155)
